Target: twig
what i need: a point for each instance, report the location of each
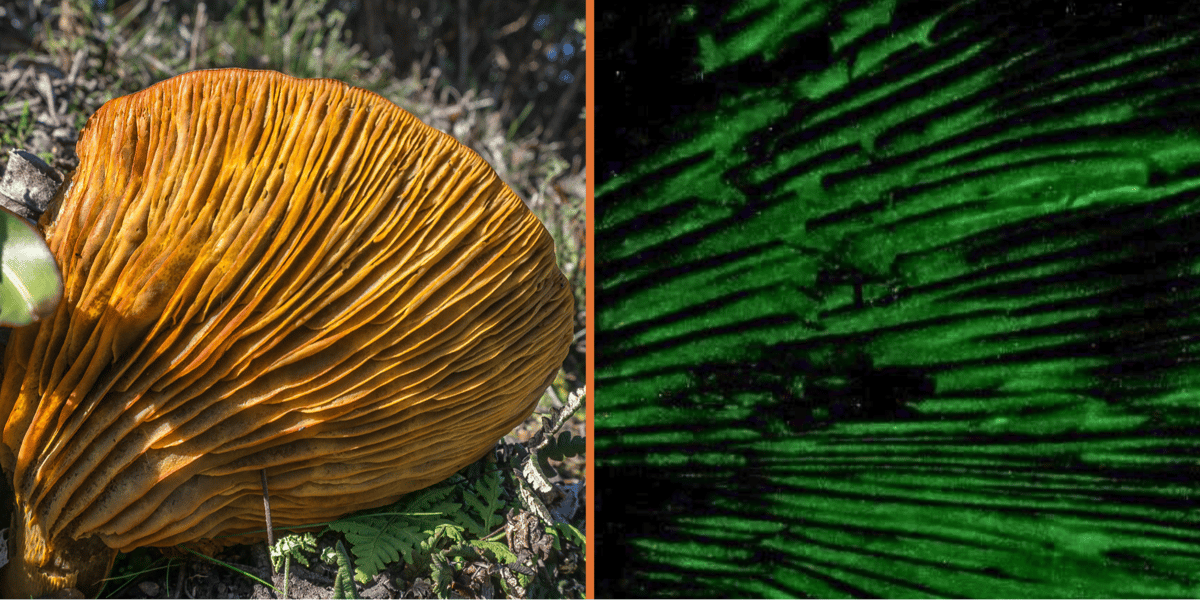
(197, 31)
(574, 402)
(267, 509)
(76, 63)
(179, 584)
(44, 87)
(515, 26)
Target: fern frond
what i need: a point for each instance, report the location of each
(375, 543)
(445, 531)
(499, 551)
(431, 499)
(426, 528)
(442, 575)
(566, 445)
(293, 546)
(570, 532)
(485, 501)
(408, 529)
(343, 584)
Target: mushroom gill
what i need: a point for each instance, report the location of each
(264, 272)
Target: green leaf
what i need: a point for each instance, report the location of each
(499, 551)
(571, 532)
(485, 501)
(410, 528)
(442, 575)
(446, 531)
(566, 445)
(30, 282)
(374, 543)
(343, 585)
(294, 546)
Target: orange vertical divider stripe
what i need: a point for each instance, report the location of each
(590, 257)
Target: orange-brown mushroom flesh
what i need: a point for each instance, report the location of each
(263, 272)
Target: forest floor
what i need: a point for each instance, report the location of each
(53, 80)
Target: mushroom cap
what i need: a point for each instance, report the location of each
(265, 272)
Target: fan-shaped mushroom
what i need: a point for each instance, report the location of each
(263, 272)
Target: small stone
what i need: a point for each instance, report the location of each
(564, 510)
(29, 184)
(148, 588)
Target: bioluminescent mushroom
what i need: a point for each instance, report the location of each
(902, 303)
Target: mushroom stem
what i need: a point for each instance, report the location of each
(35, 572)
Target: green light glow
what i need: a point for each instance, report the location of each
(917, 319)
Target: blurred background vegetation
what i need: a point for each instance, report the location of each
(523, 58)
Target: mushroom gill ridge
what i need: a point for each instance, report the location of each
(264, 272)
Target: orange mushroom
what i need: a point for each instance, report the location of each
(263, 272)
